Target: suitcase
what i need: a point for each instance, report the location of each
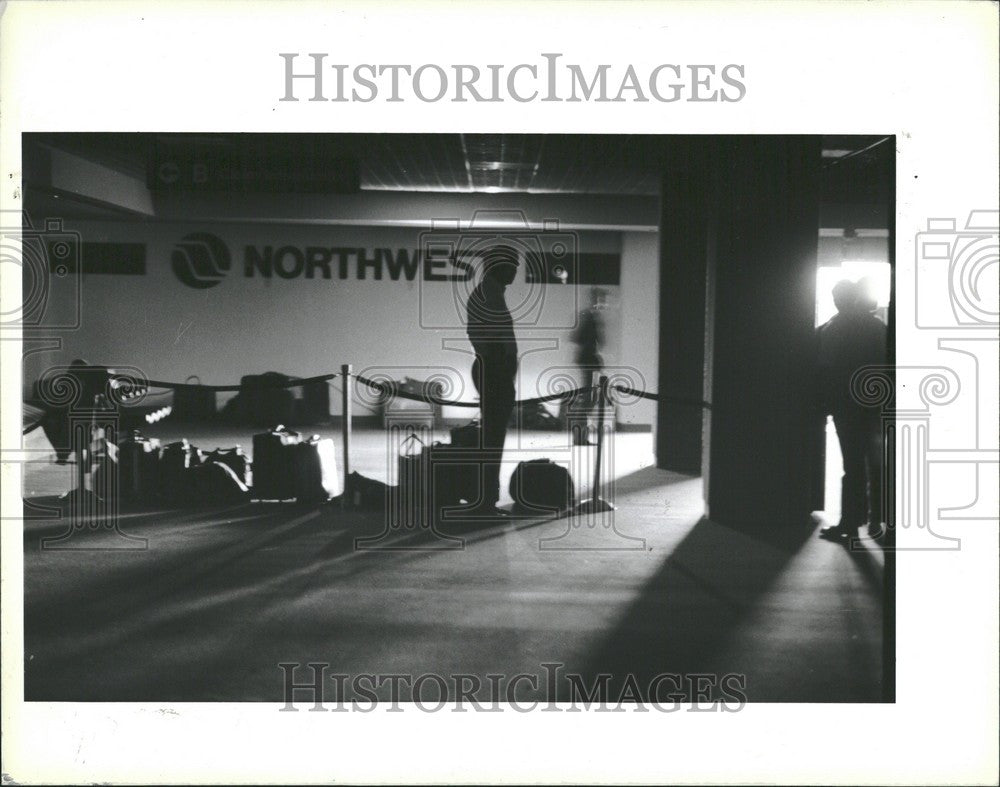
(194, 404)
(176, 459)
(467, 436)
(138, 467)
(274, 455)
(541, 487)
(434, 478)
(316, 475)
(234, 459)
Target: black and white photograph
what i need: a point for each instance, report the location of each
(491, 423)
(607, 435)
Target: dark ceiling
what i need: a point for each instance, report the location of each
(536, 163)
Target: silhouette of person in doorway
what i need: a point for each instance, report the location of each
(852, 339)
(589, 340)
(491, 332)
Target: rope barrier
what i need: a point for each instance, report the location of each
(662, 397)
(391, 390)
(256, 386)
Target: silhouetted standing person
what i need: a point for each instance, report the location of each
(852, 339)
(491, 332)
(589, 340)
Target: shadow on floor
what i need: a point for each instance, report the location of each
(89, 603)
(180, 620)
(685, 613)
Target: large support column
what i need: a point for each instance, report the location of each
(683, 237)
(762, 316)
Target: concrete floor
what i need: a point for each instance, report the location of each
(218, 598)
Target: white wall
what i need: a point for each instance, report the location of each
(640, 323)
(305, 327)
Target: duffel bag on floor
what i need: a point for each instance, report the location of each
(367, 493)
(234, 459)
(541, 487)
(215, 484)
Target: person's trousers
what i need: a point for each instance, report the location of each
(860, 437)
(495, 385)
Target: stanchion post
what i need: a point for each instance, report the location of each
(345, 409)
(597, 504)
(602, 394)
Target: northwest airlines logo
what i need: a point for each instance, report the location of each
(200, 260)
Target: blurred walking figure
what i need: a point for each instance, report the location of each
(491, 332)
(588, 337)
(852, 339)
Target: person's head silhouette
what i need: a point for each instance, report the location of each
(500, 264)
(845, 296)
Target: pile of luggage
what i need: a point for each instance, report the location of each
(286, 466)
(173, 475)
(440, 476)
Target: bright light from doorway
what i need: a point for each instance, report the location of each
(880, 274)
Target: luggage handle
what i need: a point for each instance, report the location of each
(280, 429)
(193, 377)
(236, 450)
